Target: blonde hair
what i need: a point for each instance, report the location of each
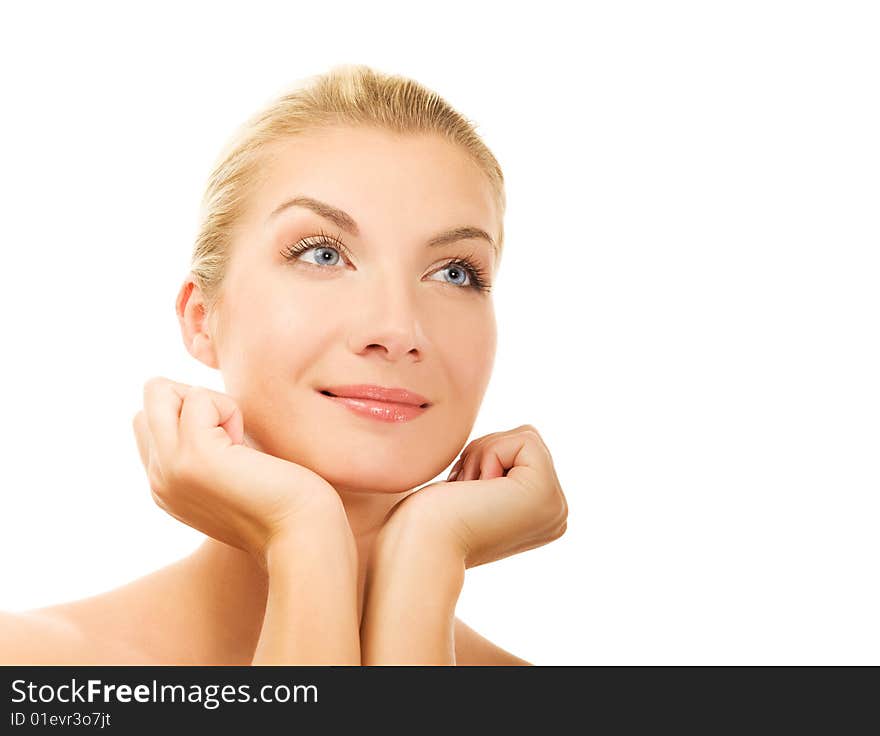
(348, 94)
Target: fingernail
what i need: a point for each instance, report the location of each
(452, 476)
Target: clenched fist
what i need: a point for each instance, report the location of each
(203, 473)
(502, 497)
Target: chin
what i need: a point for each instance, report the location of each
(359, 462)
(374, 480)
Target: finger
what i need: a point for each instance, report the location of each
(231, 418)
(469, 455)
(208, 415)
(162, 402)
(471, 458)
(472, 455)
(536, 433)
(470, 466)
(516, 451)
(469, 448)
(521, 455)
(454, 470)
(491, 465)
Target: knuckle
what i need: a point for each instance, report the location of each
(159, 500)
(152, 387)
(157, 483)
(470, 446)
(561, 530)
(529, 429)
(483, 439)
(555, 503)
(152, 383)
(559, 498)
(198, 394)
(160, 482)
(563, 509)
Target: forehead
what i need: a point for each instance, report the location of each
(378, 176)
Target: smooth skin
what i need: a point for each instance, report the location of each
(318, 549)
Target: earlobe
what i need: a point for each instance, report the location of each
(202, 348)
(194, 327)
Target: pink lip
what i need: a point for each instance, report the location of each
(377, 393)
(377, 402)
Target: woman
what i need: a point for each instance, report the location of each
(341, 283)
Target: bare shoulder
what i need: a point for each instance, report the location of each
(473, 649)
(26, 638)
(44, 637)
(185, 613)
(112, 627)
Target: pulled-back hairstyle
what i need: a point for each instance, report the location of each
(346, 95)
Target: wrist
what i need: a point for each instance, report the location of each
(405, 545)
(413, 586)
(413, 527)
(311, 612)
(324, 535)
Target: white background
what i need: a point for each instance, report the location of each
(687, 305)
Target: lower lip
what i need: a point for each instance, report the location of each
(383, 411)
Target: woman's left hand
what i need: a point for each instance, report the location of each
(502, 497)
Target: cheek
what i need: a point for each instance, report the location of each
(468, 349)
(277, 339)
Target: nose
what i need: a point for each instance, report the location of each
(388, 323)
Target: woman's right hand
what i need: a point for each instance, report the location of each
(203, 473)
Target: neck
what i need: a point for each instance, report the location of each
(235, 584)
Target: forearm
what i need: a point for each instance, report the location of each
(409, 608)
(311, 613)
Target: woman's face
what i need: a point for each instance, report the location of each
(376, 303)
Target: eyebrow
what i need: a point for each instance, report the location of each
(346, 222)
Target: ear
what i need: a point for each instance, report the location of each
(194, 325)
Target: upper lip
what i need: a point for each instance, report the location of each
(378, 393)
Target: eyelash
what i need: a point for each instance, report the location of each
(478, 277)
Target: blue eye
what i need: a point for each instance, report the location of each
(327, 250)
(458, 275)
(324, 256)
(461, 272)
